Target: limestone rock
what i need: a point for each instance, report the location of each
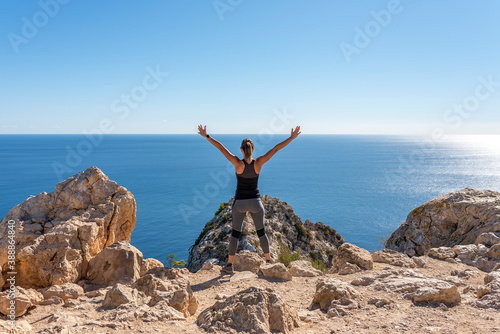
(169, 285)
(162, 312)
(303, 268)
(149, 263)
(463, 217)
(253, 310)
(441, 253)
(64, 291)
(394, 258)
(247, 261)
(488, 238)
(121, 294)
(282, 225)
(349, 255)
(275, 270)
(57, 234)
(24, 299)
(21, 326)
(330, 289)
(489, 295)
(117, 263)
(415, 286)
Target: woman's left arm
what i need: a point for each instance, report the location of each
(229, 156)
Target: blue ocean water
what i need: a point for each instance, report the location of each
(363, 186)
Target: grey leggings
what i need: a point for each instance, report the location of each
(256, 209)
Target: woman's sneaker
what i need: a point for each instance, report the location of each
(269, 262)
(228, 268)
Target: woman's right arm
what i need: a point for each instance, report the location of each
(265, 158)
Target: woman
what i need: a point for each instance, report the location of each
(247, 197)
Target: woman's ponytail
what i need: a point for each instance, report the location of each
(247, 146)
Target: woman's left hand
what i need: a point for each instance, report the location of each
(202, 131)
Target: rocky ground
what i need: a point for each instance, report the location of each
(398, 315)
(77, 272)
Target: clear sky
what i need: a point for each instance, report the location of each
(249, 66)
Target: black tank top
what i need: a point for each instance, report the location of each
(247, 182)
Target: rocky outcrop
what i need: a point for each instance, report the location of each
(118, 263)
(248, 261)
(23, 300)
(58, 233)
(415, 286)
(303, 268)
(275, 270)
(335, 297)
(480, 256)
(254, 310)
(489, 295)
(316, 240)
(351, 259)
(64, 291)
(394, 258)
(121, 294)
(464, 217)
(168, 285)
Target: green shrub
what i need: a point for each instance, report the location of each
(317, 261)
(221, 207)
(172, 263)
(285, 256)
(268, 215)
(301, 230)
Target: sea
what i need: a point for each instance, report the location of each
(363, 186)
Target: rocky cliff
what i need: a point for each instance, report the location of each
(317, 241)
(461, 226)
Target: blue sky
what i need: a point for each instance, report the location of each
(85, 66)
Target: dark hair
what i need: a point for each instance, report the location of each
(247, 146)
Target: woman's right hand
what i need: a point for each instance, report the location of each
(202, 131)
(295, 133)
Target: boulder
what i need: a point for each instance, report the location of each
(162, 312)
(58, 233)
(169, 285)
(118, 263)
(489, 295)
(441, 253)
(253, 310)
(303, 268)
(64, 291)
(349, 255)
(330, 289)
(488, 238)
(24, 299)
(121, 294)
(415, 286)
(248, 261)
(20, 326)
(394, 258)
(149, 263)
(464, 217)
(275, 270)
